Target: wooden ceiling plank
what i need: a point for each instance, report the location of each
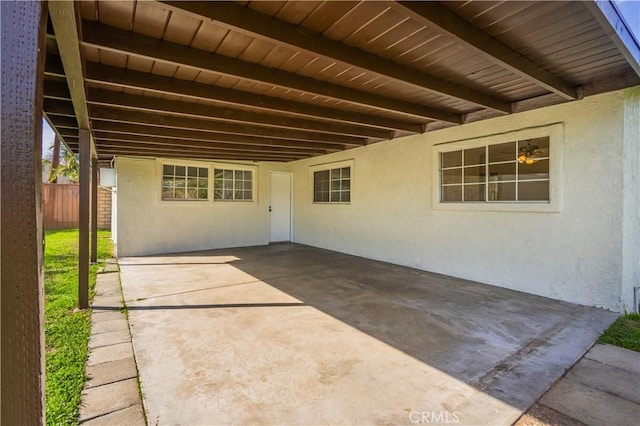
(123, 77)
(169, 155)
(105, 138)
(100, 113)
(264, 26)
(65, 123)
(212, 150)
(134, 129)
(114, 39)
(435, 14)
(58, 107)
(105, 97)
(299, 128)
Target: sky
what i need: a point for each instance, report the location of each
(630, 9)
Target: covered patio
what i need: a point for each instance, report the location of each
(291, 334)
(377, 94)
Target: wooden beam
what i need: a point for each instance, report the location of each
(83, 219)
(145, 103)
(103, 137)
(54, 91)
(290, 146)
(436, 15)
(94, 210)
(129, 146)
(137, 141)
(197, 135)
(65, 24)
(110, 38)
(163, 154)
(608, 16)
(101, 113)
(241, 18)
(121, 77)
(22, 349)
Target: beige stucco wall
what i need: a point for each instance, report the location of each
(631, 185)
(574, 254)
(148, 225)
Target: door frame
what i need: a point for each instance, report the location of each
(290, 174)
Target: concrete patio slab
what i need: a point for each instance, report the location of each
(110, 353)
(111, 325)
(609, 379)
(591, 406)
(130, 416)
(110, 372)
(101, 316)
(111, 395)
(289, 334)
(618, 357)
(592, 392)
(109, 338)
(539, 415)
(108, 398)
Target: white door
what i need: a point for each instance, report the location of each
(280, 208)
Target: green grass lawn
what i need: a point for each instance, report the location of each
(66, 329)
(624, 332)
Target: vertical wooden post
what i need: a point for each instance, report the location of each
(21, 296)
(83, 220)
(94, 210)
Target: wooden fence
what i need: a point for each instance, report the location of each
(61, 202)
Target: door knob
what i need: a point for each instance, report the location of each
(269, 208)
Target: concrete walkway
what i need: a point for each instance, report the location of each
(110, 395)
(603, 388)
(290, 334)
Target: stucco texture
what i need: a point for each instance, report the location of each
(148, 225)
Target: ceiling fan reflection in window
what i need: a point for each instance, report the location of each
(530, 154)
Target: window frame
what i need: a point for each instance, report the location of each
(555, 133)
(234, 168)
(186, 165)
(329, 167)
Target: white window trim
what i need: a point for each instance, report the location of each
(210, 165)
(235, 166)
(555, 132)
(160, 162)
(328, 166)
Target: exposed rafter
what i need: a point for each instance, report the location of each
(196, 135)
(436, 15)
(110, 38)
(107, 137)
(121, 77)
(103, 114)
(172, 145)
(238, 17)
(214, 138)
(106, 97)
(148, 104)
